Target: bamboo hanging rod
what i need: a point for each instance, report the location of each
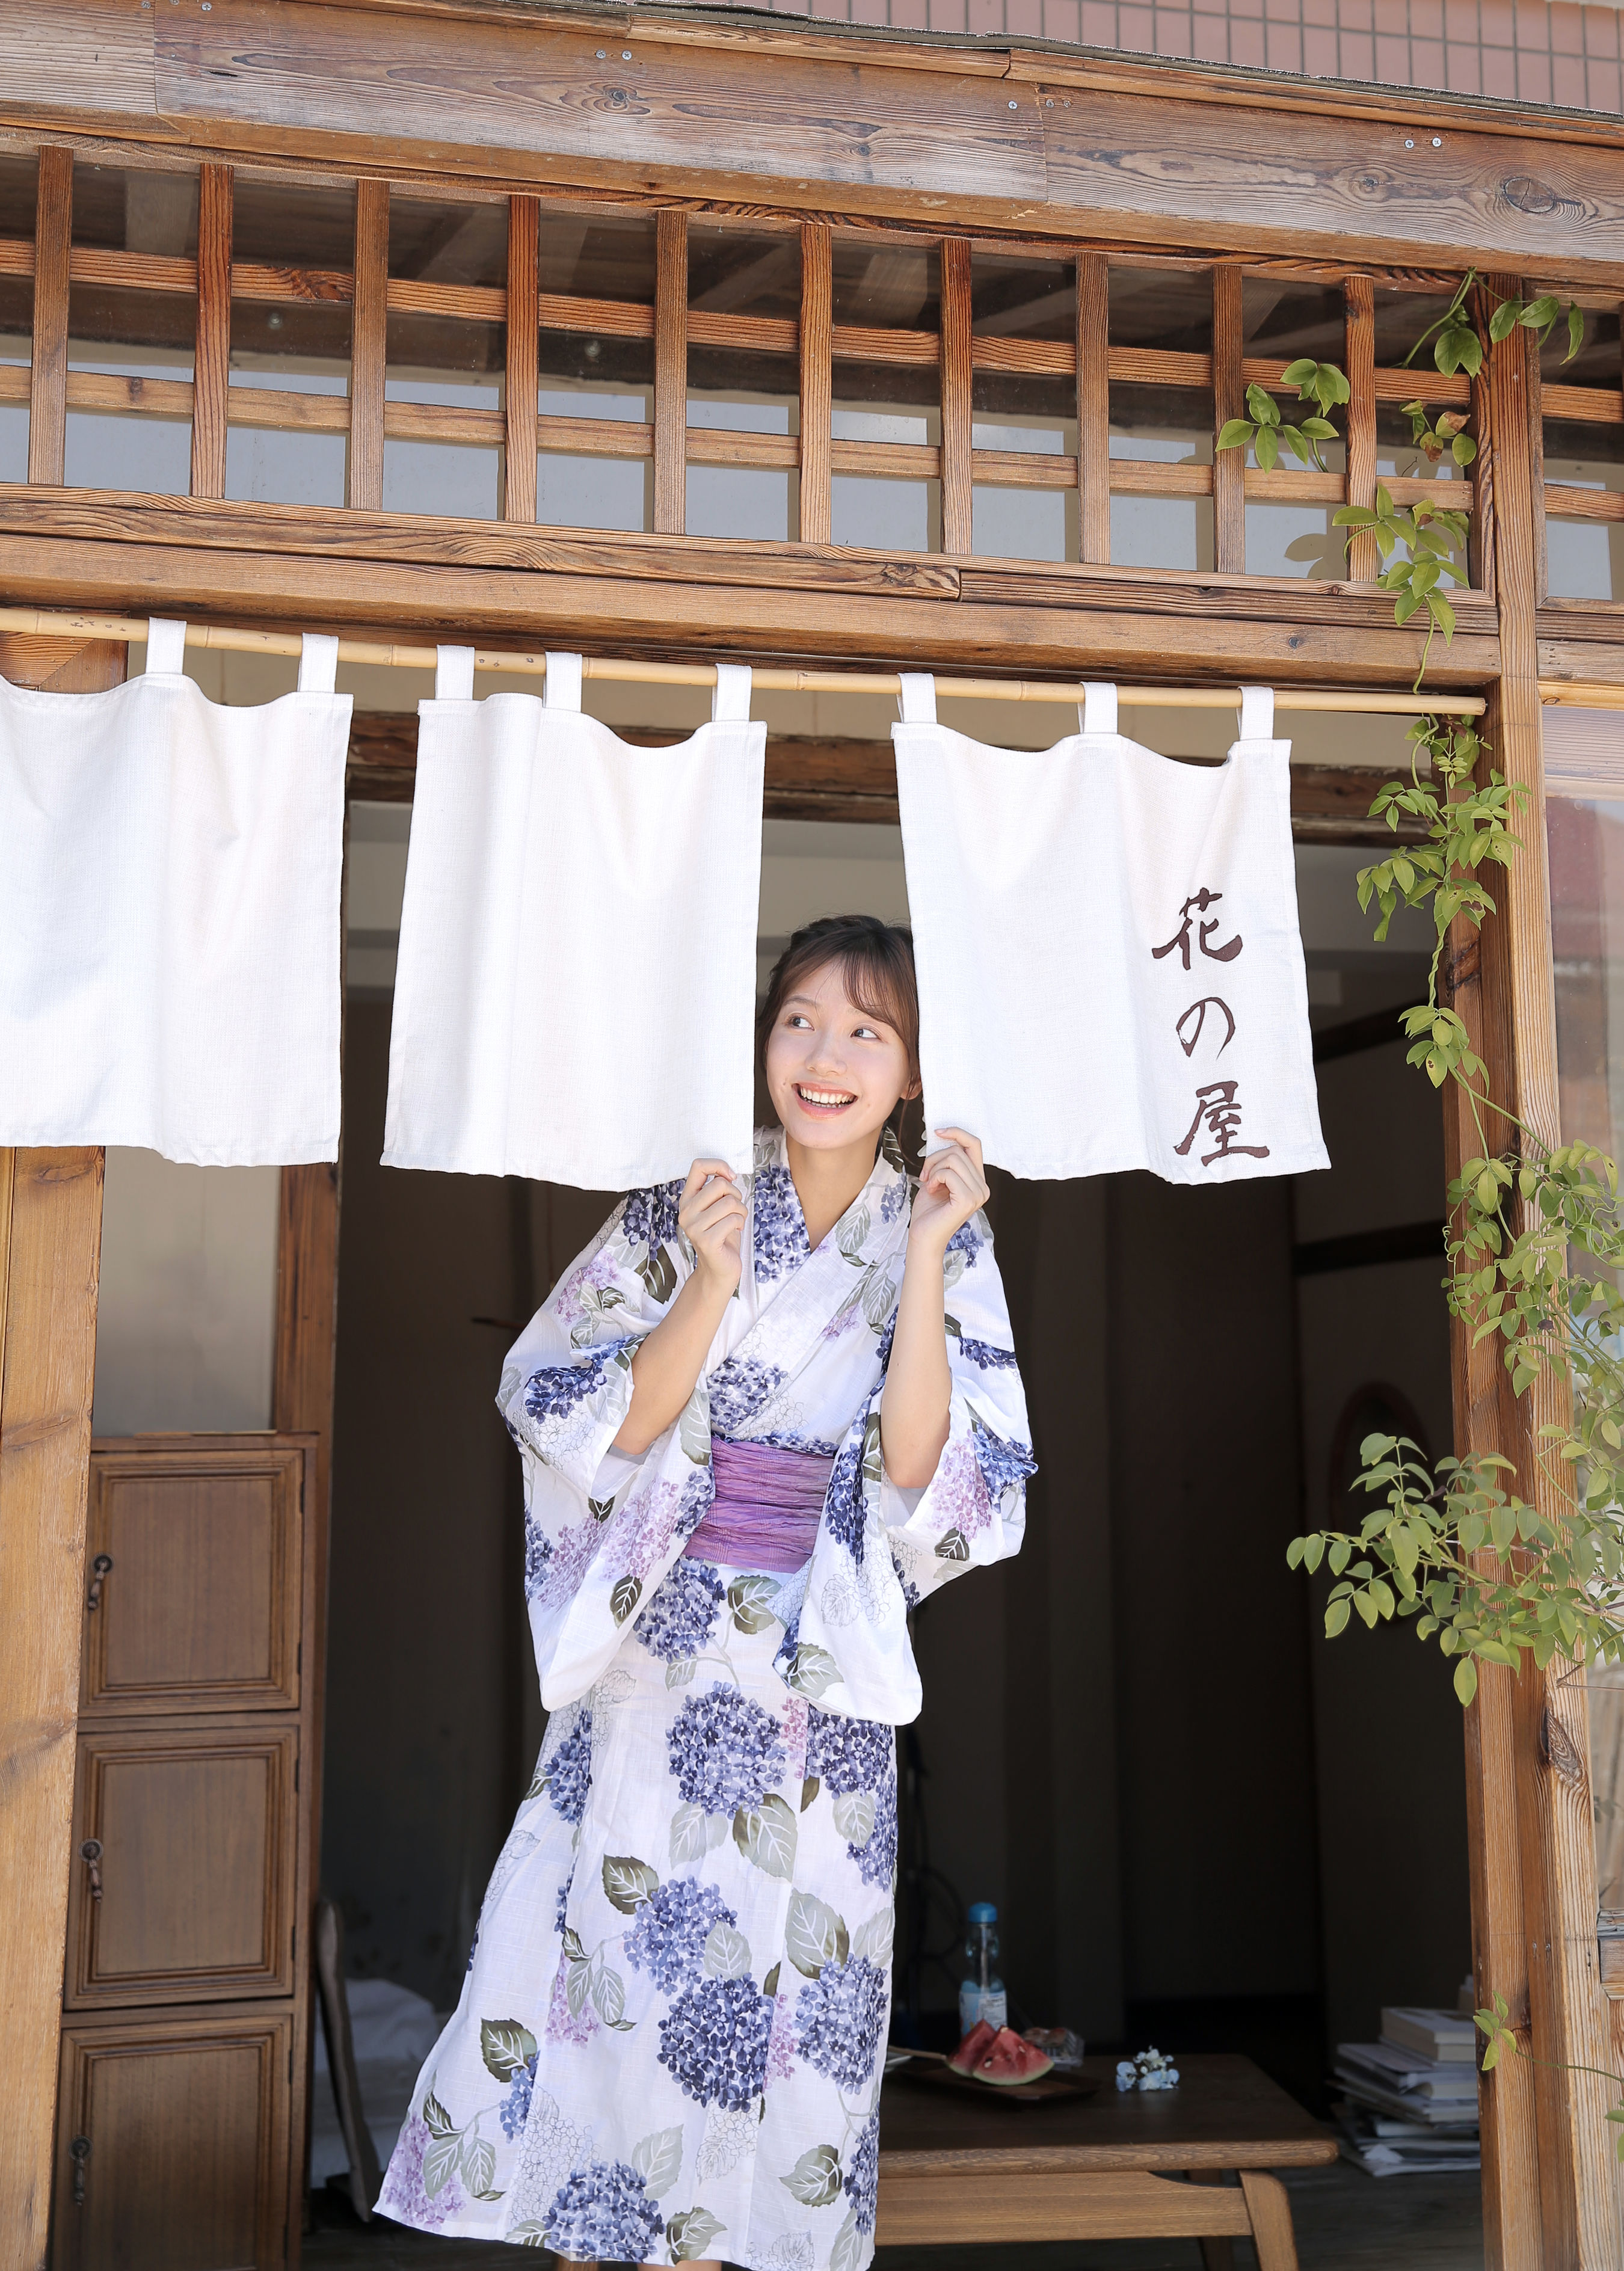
(38, 622)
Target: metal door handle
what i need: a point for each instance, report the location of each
(99, 1568)
(90, 1852)
(78, 2152)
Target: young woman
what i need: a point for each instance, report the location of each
(759, 1420)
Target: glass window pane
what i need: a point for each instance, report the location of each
(734, 272)
(1161, 426)
(611, 257)
(282, 224)
(1012, 298)
(1286, 318)
(1584, 558)
(1035, 415)
(1168, 308)
(888, 510)
(15, 338)
(290, 348)
(893, 286)
(610, 380)
(434, 242)
(432, 363)
(19, 192)
(126, 340)
(1402, 319)
(121, 209)
(1597, 362)
(729, 391)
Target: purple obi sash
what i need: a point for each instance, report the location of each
(767, 1507)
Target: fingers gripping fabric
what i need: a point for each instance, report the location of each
(170, 871)
(575, 993)
(1110, 969)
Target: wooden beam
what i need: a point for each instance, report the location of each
(956, 380)
(50, 1234)
(524, 345)
(47, 391)
(670, 373)
(1228, 401)
(212, 368)
(815, 346)
(1359, 336)
(1094, 353)
(368, 346)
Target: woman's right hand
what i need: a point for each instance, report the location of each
(711, 1216)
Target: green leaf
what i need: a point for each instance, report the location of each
(750, 1600)
(855, 1816)
(436, 2121)
(1236, 434)
(813, 1934)
(478, 2165)
(689, 1841)
(812, 1672)
(658, 2159)
(658, 1274)
(1336, 1619)
(770, 1984)
(1466, 1679)
(1268, 448)
(1504, 320)
(816, 2178)
(767, 1837)
(441, 2162)
(624, 1598)
(628, 1882)
(608, 1996)
(1576, 340)
(848, 2252)
(727, 1952)
(505, 2046)
(690, 2236)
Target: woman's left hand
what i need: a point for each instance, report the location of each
(952, 1185)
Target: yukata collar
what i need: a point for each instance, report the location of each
(772, 1151)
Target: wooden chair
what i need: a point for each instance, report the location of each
(1120, 2165)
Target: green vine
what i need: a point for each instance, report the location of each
(1431, 536)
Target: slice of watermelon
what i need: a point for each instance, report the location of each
(1007, 2060)
(980, 2037)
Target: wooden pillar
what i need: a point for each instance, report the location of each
(1548, 2183)
(368, 346)
(523, 360)
(1359, 487)
(50, 1243)
(48, 383)
(1228, 401)
(670, 373)
(816, 349)
(212, 365)
(957, 388)
(1093, 408)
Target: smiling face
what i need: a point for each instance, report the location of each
(834, 1070)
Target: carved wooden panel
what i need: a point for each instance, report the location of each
(197, 1551)
(173, 2131)
(195, 1840)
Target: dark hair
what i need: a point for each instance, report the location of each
(876, 968)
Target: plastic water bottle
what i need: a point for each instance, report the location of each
(982, 1994)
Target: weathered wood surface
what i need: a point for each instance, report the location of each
(47, 374)
(629, 614)
(211, 364)
(1040, 144)
(368, 346)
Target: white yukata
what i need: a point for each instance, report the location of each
(670, 2039)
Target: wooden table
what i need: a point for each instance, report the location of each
(1119, 2165)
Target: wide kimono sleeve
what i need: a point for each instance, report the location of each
(973, 1509)
(566, 1387)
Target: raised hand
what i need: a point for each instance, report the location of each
(952, 1185)
(711, 1216)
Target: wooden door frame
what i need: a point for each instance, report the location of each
(1050, 148)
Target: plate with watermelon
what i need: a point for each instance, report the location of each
(997, 2063)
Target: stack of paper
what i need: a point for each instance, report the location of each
(1410, 2102)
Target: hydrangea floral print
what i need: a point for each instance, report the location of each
(670, 2037)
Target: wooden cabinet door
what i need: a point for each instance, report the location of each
(196, 1828)
(195, 1554)
(172, 2138)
